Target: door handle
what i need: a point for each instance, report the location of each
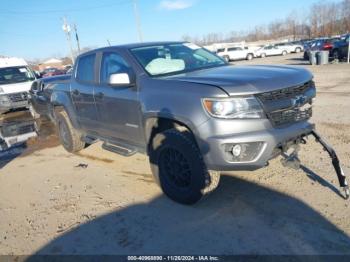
(76, 92)
(100, 95)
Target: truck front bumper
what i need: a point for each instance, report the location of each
(265, 140)
(15, 140)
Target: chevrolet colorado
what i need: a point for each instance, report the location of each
(191, 112)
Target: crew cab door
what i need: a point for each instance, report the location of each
(276, 50)
(82, 92)
(118, 106)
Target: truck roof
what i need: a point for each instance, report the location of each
(12, 61)
(134, 45)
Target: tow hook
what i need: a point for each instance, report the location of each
(336, 164)
(291, 160)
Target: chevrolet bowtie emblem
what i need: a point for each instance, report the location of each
(298, 101)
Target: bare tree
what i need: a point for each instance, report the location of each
(323, 19)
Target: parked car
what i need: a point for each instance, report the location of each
(15, 81)
(320, 45)
(270, 50)
(52, 72)
(291, 47)
(340, 48)
(191, 112)
(235, 53)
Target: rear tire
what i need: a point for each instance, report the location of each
(70, 138)
(178, 167)
(284, 53)
(249, 57)
(263, 55)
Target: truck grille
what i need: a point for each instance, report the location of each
(290, 92)
(290, 116)
(17, 129)
(18, 97)
(289, 105)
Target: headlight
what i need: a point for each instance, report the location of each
(4, 100)
(234, 108)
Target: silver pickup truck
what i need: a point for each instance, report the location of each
(191, 112)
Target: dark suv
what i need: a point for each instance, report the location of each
(341, 48)
(320, 45)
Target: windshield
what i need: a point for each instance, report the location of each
(11, 75)
(176, 58)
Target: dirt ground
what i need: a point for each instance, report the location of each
(97, 202)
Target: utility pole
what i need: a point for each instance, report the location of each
(109, 43)
(137, 20)
(76, 37)
(66, 28)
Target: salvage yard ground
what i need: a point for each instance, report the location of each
(97, 202)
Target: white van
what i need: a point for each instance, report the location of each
(15, 82)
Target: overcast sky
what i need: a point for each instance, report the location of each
(33, 28)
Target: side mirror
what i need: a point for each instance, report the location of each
(120, 79)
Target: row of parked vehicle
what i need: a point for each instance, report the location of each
(52, 71)
(241, 53)
(338, 47)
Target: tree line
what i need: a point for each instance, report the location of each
(323, 19)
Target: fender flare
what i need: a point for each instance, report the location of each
(63, 100)
(150, 120)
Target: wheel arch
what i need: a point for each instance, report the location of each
(250, 53)
(156, 124)
(61, 101)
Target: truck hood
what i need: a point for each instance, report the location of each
(245, 80)
(16, 88)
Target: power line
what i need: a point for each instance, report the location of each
(12, 12)
(34, 34)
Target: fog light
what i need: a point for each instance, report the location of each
(236, 150)
(242, 152)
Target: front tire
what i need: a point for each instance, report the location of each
(284, 53)
(227, 58)
(297, 50)
(263, 55)
(70, 138)
(249, 57)
(178, 167)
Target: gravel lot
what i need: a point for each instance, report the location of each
(97, 202)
